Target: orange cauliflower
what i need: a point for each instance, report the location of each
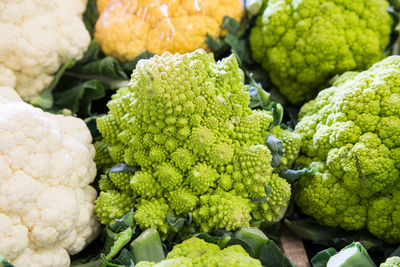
(126, 28)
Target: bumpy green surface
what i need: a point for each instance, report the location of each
(184, 120)
(391, 262)
(303, 43)
(353, 130)
(198, 253)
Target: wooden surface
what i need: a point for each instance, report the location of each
(294, 249)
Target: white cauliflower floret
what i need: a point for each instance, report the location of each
(37, 38)
(46, 202)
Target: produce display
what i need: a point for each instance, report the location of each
(199, 133)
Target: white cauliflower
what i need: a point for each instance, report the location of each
(37, 37)
(46, 166)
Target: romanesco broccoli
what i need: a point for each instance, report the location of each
(391, 262)
(185, 121)
(304, 43)
(352, 129)
(198, 253)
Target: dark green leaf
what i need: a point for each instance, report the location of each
(231, 25)
(131, 65)
(271, 255)
(177, 223)
(91, 54)
(90, 16)
(276, 147)
(396, 252)
(125, 259)
(322, 258)
(108, 67)
(125, 222)
(45, 100)
(395, 4)
(4, 262)
(292, 176)
(240, 48)
(308, 229)
(218, 46)
(79, 99)
(221, 241)
(395, 33)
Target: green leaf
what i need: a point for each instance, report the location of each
(354, 255)
(231, 25)
(396, 252)
(271, 255)
(120, 240)
(177, 223)
(90, 16)
(108, 67)
(395, 33)
(259, 99)
(218, 46)
(125, 259)
(124, 223)
(79, 99)
(292, 176)
(277, 113)
(322, 257)
(221, 241)
(309, 229)
(148, 247)
(253, 237)
(4, 262)
(276, 147)
(45, 99)
(130, 65)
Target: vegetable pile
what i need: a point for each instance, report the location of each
(199, 133)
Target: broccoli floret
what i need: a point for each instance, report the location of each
(302, 44)
(204, 254)
(184, 121)
(352, 130)
(102, 158)
(391, 262)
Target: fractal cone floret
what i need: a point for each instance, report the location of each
(185, 124)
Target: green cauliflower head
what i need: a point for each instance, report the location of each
(184, 122)
(353, 130)
(303, 43)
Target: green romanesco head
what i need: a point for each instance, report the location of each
(391, 262)
(304, 43)
(204, 254)
(184, 121)
(353, 130)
